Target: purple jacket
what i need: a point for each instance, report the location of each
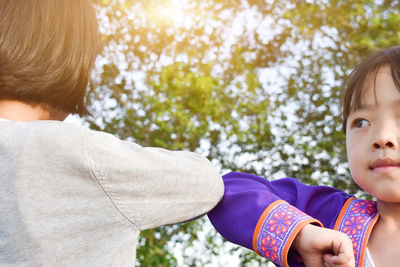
(265, 216)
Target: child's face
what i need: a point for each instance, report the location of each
(373, 139)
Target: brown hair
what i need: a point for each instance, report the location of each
(47, 52)
(369, 66)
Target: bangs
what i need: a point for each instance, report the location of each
(367, 71)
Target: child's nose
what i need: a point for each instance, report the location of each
(387, 143)
(386, 135)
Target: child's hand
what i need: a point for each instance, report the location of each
(319, 246)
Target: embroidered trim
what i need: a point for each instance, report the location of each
(276, 230)
(356, 219)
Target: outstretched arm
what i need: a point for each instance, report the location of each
(149, 186)
(266, 216)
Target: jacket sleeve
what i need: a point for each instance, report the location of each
(151, 187)
(265, 216)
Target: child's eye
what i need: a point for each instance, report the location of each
(360, 123)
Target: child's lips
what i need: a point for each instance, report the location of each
(385, 165)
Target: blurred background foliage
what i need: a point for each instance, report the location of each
(254, 85)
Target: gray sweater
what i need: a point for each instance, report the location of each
(70, 196)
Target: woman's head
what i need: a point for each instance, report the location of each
(47, 51)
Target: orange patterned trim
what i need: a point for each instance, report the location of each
(367, 234)
(357, 219)
(342, 212)
(276, 229)
(261, 220)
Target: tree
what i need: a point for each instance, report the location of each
(253, 85)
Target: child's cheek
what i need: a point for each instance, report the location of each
(354, 155)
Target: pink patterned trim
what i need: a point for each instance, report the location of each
(357, 221)
(276, 229)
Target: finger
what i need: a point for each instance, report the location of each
(328, 260)
(333, 261)
(314, 261)
(327, 264)
(343, 251)
(338, 259)
(349, 264)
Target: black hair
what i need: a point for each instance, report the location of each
(47, 52)
(370, 65)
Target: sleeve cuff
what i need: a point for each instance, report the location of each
(276, 229)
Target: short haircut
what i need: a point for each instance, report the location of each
(369, 66)
(47, 52)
